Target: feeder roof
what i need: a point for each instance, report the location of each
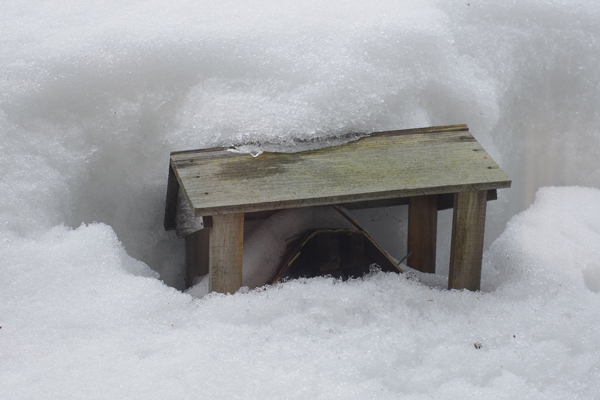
(383, 165)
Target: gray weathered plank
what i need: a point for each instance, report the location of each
(381, 166)
(422, 233)
(466, 252)
(226, 253)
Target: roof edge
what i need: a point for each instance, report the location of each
(171, 203)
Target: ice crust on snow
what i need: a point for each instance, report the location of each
(94, 97)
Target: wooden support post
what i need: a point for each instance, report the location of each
(196, 255)
(226, 252)
(466, 253)
(422, 232)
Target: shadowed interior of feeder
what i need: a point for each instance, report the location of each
(340, 253)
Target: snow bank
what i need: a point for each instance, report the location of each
(92, 106)
(555, 242)
(82, 319)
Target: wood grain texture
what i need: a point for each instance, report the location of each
(466, 252)
(196, 255)
(445, 201)
(226, 253)
(422, 232)
(381, 166)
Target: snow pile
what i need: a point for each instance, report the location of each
(92, 106)
(93, 97)
(555, 242)
(73, 327)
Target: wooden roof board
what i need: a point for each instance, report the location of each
(383, 165)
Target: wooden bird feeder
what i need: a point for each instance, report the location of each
(212, 191)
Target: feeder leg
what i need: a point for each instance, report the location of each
(196, 255)
(422, 232)
(468, 225)
(226, 251)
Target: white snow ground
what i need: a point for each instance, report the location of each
(93, 97)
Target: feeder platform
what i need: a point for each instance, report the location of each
(428, 169)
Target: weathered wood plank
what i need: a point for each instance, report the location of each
(226, 253)
(381, 166)
(446, 201)
(429, 129)
(171, 204)
(422, 232)
(358, 205)
(466, 252)
(196, 255)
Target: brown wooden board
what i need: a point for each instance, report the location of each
(468, 226)
(422, 232)
(226, 241)
(384, 165)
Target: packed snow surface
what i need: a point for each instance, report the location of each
(94, 97)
